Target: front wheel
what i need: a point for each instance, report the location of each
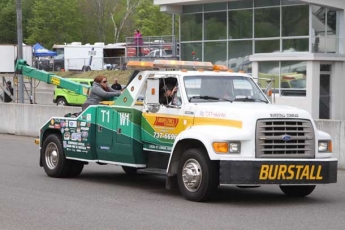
(197, 175)
(297, 190)
(61, 102)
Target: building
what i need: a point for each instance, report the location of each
(298, 43)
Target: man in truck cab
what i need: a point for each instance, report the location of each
(166, 94)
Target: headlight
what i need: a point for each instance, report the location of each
(325, 146)
(227, 147)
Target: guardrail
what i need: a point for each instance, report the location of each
(27, 119)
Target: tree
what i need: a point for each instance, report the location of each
(120, 14)
(54, 22)
(152, 22)
(8, 22)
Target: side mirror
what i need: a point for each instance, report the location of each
(153, 108)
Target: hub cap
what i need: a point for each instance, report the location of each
(192, 175)
(52, 155)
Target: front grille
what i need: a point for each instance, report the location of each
(284, 138)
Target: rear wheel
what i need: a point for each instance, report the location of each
(129, 170)
(61, 102)
(297, 190)
(197, 175)
(54, 162)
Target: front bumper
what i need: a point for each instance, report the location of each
(278, 172)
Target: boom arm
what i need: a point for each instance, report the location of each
(23, 68)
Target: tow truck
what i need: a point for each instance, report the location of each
(217, 128)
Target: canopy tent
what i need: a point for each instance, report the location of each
(40, 51)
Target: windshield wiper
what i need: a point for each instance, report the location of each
(251, 99)
(209, 98)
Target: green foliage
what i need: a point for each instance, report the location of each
(8, 21)
(53, 22)
(151, 22)
(88, 21)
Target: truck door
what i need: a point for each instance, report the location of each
(161, 127)
(104, 132)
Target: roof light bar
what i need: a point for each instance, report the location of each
(140, 65)
(173, 64)
(220, 68)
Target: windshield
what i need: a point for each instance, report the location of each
(222, 88)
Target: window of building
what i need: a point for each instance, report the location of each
(215, 6)
(238, 54)
(267, 23)
(325, 32)
(240, 4)
(261, 3)
(267, 46)
(187, 50)
(240, 24)
(191, 27)
(192, 8)
(296, 45)
(215, 26)
(215, 52)
(289, 77)
(295, 21)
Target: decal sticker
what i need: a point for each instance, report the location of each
(63, 123)
(83, 123)
(104, 147)
(167, 136)
(72, 124)
(88, 117)
(76, 137)
(124, 119)
(166, 122)
(291, 172)
(52, 121)
(66, 136)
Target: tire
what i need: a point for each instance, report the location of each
(296, 190)
(205, 179)
(130, 170)
(76, 168)
(61, 102)
(54, 162)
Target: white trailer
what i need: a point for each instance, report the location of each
(9, 55)
(83, 57)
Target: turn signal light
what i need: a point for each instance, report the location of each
(221, 147)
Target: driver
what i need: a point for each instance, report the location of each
(167, 93)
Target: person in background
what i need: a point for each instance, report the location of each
(116, 85)
(138, 42)
(100, 92)
(7, 98)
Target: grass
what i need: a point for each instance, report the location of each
(123, 76)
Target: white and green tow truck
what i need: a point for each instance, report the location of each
(216, 128)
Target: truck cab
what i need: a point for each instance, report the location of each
(215, 128)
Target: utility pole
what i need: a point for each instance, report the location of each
(20, 47)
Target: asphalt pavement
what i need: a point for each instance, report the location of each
(104, 197)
